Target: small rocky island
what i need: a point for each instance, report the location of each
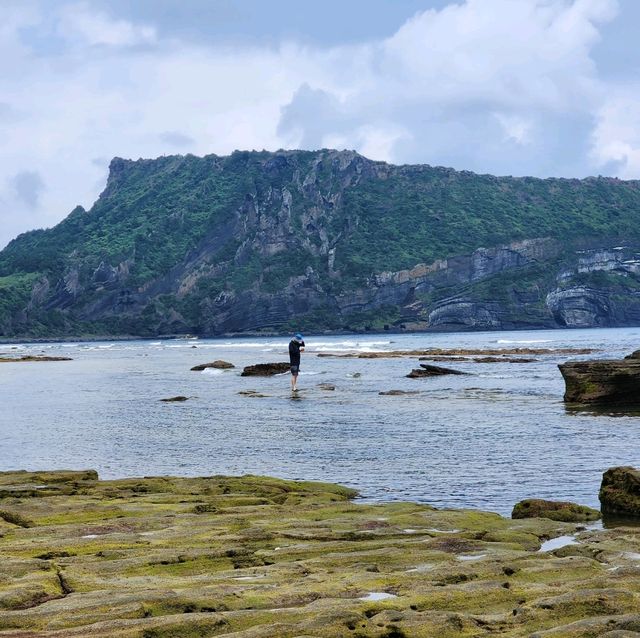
(257, 557)
(614, 383)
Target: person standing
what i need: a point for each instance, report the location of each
(296, 346)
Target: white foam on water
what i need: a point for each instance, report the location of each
(377, 595)
(524, 340)
(212, 371)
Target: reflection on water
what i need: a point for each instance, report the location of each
(487, 440)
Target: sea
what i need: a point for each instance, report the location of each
(484, 440)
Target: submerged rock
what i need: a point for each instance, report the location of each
(605, 382)
(398, 393)
(620, 492)
(175, 399)
(555, 510)
(222, 365)
(427, 370)
(265, 369)
(326, 386)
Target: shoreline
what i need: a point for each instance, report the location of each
(275, 334)
(262, 557)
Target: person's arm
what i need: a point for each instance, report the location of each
(302, 347)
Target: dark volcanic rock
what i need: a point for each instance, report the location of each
(633, 355)
(265, 369)
(175, 399)
(223, 365)
(620, 492)
(614, 383)
(397, 393)
(555, 510)
(427, 370)
(33, 358)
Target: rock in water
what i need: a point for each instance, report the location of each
(620, 492)
(265, 369)
(555, 510)
(614, 383)
(175, 399)
(427, 370)
(397, 393)
(223, 365)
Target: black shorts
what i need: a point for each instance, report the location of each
(295, 369)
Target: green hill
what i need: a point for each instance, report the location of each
(270, 241)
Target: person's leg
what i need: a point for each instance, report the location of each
(294, 381)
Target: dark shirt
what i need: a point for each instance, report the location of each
(294, 351)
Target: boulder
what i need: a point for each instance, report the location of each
(555, 510)
(223, 365)
(633, 355)
(605, 382)
(427, 370)
(620, 492)
(265, 369)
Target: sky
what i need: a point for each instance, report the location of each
(508, 87)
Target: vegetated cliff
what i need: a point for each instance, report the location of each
(325, 240)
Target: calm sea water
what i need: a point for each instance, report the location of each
(486, 440)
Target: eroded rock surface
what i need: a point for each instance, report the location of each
(620, 492)
(265, 369)
(260, 557)
(426, 370)
(555, 510)
(219, 364)
(602, 382)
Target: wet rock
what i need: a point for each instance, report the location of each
(602, 382)
(326, 386)
(176, 399)
(427, 370)
(265, 369)
(503, 360)
(398, 393)
(219, 364)
(620, 492)
(633, 355)
(555, 510)
(28, 358)
(253, 394)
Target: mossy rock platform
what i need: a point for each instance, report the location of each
(256, 557)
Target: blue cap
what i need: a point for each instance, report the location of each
(298, 336)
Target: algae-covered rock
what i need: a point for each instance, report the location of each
(620, 492)
(259, 557)
(555, 510)
(265, 369)
(602, 382)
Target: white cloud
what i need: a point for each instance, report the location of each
(616, 136)
(82, 25)
(506, 86)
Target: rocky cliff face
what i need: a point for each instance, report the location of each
(324, 240)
